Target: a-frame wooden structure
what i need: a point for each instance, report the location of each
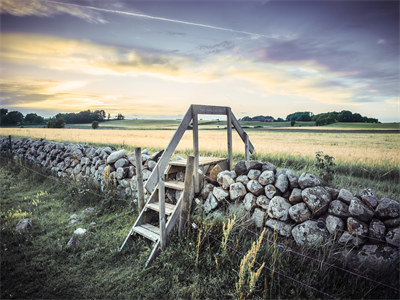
(168, 213)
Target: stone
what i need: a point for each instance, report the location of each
(339, 209)
(80, 231)
(249, 201)
(266, 177)
(207, 188)
(334, 192)
(317, 199)
(267, 166)
(387, 208)
(120, 173)
(293, 179)
(232, 174)
(220, 194)
(227, 181)
(263, 202)
(270, 191)
(243, 179)
(156, 155)
(237, 191)
(214, 172)
(88, 211)
(307, 180)
(180, 176)
(151, 164)
(295, 196)
(369, 197)
(299, 213)
(253, 174)
(120, 163)
(309, 233)
(278, 208)
(282, 183)
(334, 225)
(210, 204)
(376, 258)
(113, 157)
(254, 187)
(253, 164)
(376, 231)
(124, 183)
(282, 228)
(132, 171)
(240, 168)
(258, 217)
(74, 241)
(146, 174)
(356, 227)
(392, 222)
(345, 196)
(349, 240)
(360, 210)
(145, 158)
(393, 237)
(24, 224)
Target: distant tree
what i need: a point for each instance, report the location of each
(56, 123)
(292, 123)
(3, 111)
(12, 118)
(95, 124)
(120, 117)
(300, 116)
(108, 118)
(33, 118)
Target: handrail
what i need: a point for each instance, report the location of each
(192, 114)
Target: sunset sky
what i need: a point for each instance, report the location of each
(155, 58)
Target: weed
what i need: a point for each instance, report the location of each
(227, 228)
(325, 165)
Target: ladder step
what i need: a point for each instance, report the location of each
(149, 231)
(169, 208)
(202, 161)
(175, 184)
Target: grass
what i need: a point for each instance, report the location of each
(38, 264)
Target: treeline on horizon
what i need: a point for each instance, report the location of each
(58, 121)
(319, 119)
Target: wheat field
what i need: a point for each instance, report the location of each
(354, 148)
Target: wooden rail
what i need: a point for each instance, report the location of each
(192, 114)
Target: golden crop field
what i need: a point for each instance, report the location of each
(365, 148)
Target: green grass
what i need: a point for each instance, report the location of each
(37, 264)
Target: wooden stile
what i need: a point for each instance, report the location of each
(246, 149)
(186, 201)
(229, 132)
(139, 178)
(161, 201)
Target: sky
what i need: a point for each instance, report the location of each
(152, 59)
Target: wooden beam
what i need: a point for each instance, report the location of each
(241, 132)
(229, 133)
(163, 162)
(161, 200)
(139, 178)
(196, 148)
(186, 200)
(210, 110)
(246, 148)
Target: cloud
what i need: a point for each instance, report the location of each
(381, 42)
(44, 8)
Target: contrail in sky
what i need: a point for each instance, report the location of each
(162, 19)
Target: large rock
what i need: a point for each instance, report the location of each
(220, 194)
(295, 196)
(266, 177)
(240, 168)
(24, 224)
(369, 197)
(393, 237)
(377, 231)
(278, 208)
(146, 174)
(267, 166)
(120, 163)
(121, 173)
(227, 181)
(207, 188)
(113, 157)
(376, 258)
(258, 217)
(283, 228)
(293, 179)
(349, 240)
(270, 191)
(299, 213)
(210, 204)
(334, 192)
(282, 183)
(249, 201)
(339, 209)
(309, 233)
(317, 199)
(307, 180)
(253, 164)
(253, 174)
(387, 208)
(237, 191)
(334, 225)
(214, 172)
(360, 210)
(231, 174)
(254, 187)
(243, 179)
(263, 202)
(356, 227)
(345, 196)
(392, 222)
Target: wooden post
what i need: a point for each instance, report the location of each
(246, 149)
(229, 128)
(186, 201)
(10, 143)
(161, 201)
(139, 178)
(196, 148)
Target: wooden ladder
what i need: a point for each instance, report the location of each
(168, 213)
